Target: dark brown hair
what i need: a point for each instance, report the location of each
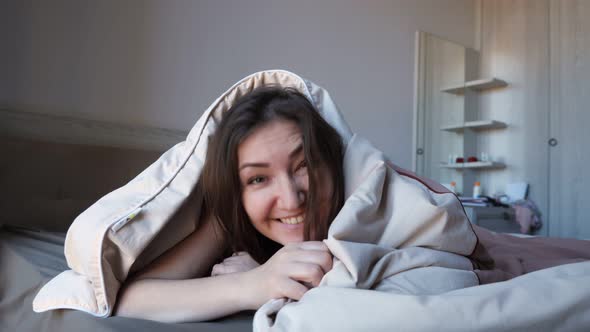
(220, 180)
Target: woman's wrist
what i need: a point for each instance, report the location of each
(250, 289)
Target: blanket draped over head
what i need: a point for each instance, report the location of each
(404, 250)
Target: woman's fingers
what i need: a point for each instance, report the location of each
(310, 274)
(310, 245)
(239, 259)
(323, 259)
(218, 269)
(292, 289)
(224, 268)
(240, 262)
(315, 252)
(290, 272)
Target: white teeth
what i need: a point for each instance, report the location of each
(293, 220)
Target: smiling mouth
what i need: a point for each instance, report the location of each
(292, 220)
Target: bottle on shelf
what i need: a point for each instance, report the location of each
(453, 187)
(476, 189)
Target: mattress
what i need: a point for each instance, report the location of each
(29, 258)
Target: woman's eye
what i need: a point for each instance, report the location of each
(301, 166)
(256, 180)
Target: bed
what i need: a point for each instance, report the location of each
(49, 186)
(393, 268)
(31, 253)
(29, 258)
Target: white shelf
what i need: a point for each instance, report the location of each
(474, 165)
(479, 85)
(475, 125)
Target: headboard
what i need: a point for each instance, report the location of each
(45, 185)
(55, 165)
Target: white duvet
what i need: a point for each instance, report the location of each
(555, 299)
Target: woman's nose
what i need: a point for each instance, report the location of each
(291, 195)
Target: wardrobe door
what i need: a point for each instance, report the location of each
(441, 63)
(569, 139)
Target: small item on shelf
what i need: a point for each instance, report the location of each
(453, 186)
(472, 159)
(476, 189)
(459, 160)
(517, 191)
(481, 201)
(484, 156)
(474, 202)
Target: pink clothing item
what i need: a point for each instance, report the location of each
(527, 216)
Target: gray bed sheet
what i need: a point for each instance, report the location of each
(28, 259)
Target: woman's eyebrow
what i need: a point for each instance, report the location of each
(253, 165)
(292, 154)
(296, 151)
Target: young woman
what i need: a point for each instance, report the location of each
(272, 184)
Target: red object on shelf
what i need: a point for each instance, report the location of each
(471, 159)
(459, 160)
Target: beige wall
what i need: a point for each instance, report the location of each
(160, 63)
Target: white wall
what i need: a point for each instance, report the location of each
(161, 63)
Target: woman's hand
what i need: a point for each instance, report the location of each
(238, 262)
(290, 272)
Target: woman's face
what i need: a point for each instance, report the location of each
(274, 177)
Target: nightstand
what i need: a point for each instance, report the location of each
(494, 218)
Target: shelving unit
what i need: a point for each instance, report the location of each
(476, 164)
(470, 127)
(475, 125)
(478, 85)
